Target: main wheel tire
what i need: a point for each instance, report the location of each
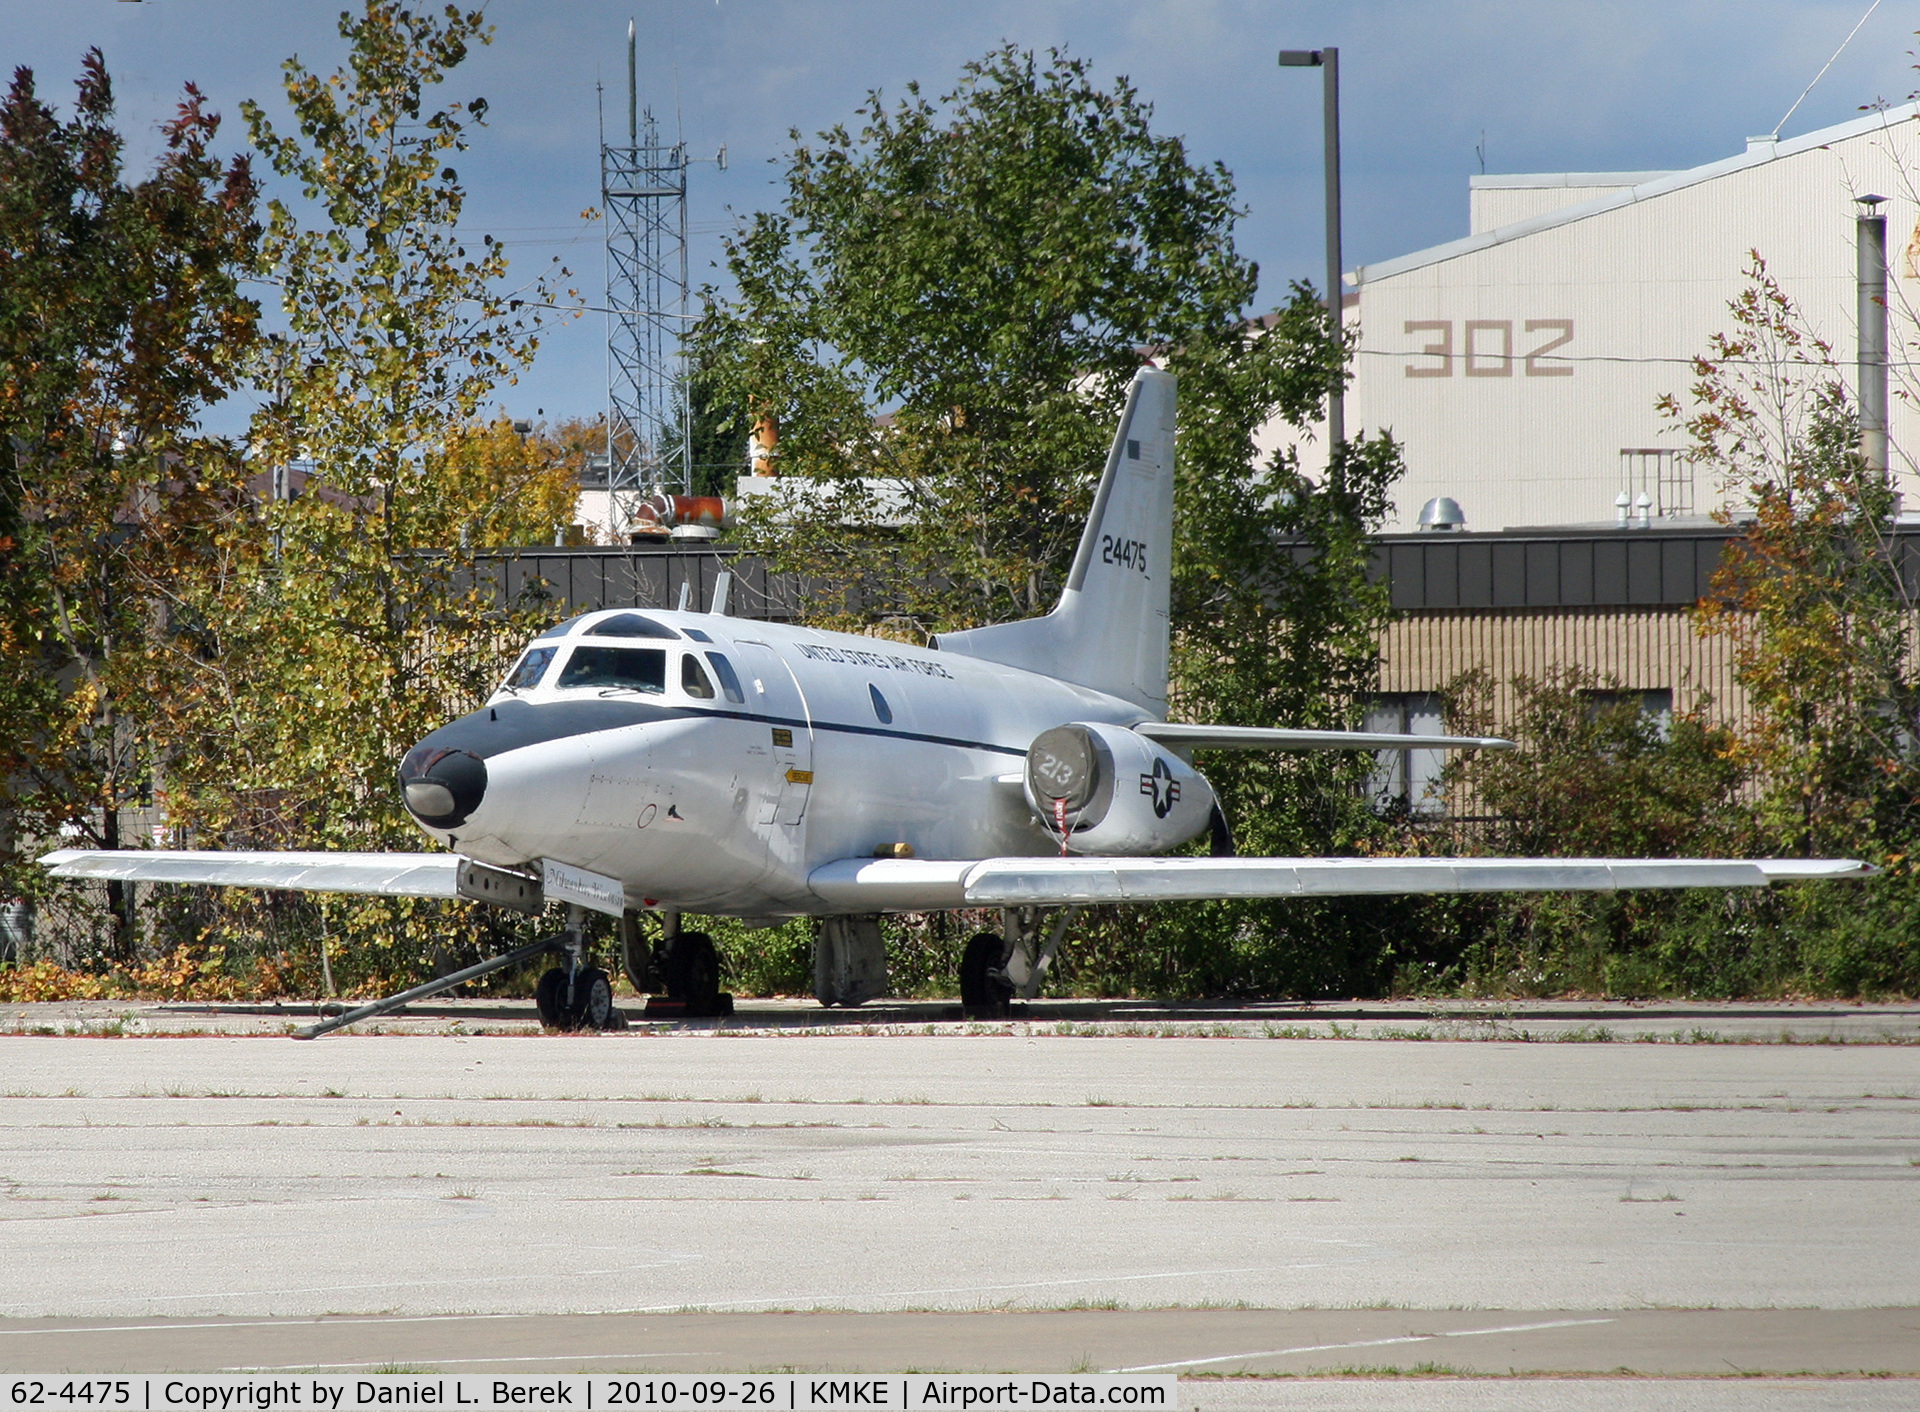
(984, 996)
(693, 972)
(592, 1000)
(550, 999)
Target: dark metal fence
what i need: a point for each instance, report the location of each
(1598, 568)
(580, 580)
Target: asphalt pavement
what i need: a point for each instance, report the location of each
(1120, 1194)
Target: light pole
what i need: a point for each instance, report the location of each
(1871, 367)
(1328, 62)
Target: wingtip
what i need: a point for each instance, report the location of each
(1816, 869)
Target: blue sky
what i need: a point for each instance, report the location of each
(1587, 86)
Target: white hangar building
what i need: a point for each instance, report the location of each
(1520, 366)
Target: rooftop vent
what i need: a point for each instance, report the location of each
(1442, 513)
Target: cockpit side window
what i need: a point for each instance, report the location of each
(693, 679)
(561, 629)
(630, 625)
(531, 668)
(624, 668)
(729, 681)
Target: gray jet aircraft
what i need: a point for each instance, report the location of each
(652, 762)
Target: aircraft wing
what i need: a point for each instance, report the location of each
(911, 884)
(1260, 738)
(877, 884)
(382, 874)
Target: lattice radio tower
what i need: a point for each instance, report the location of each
(643, 189)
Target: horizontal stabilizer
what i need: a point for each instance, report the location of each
(870, 884)
(1259, 738)
(379, 874)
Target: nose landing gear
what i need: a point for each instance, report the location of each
(577, 996)
(585, 1005)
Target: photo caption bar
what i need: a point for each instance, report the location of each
(646, 1392)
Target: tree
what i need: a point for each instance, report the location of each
(1812, 594)
(398, 334)
(942, 318)
(516, 486)
(1595, 776)
(988, 276)
(121, 319)
(344, 624)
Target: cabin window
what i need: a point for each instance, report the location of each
(630, 625)
(624, 668)
(729, 682)
(880, 707)
(531, 668)
(693, 679)
(560, 629)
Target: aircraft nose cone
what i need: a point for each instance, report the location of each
(442, 787)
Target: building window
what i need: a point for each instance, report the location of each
(1408, 779)
(1663, 475)
(1655, 706)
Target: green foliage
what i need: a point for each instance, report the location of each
(336, 645)
(341, 625)
(1837, 939)
(1596, 777)
(1820, 616)
(986, 272)
(717, 437)
(121, 319)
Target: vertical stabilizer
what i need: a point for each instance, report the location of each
(1109, 630)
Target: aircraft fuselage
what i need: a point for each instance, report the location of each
(839, 746)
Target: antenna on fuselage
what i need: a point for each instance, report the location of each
(686, 594)
(722, 582)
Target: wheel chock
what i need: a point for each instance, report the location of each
(667, 1007)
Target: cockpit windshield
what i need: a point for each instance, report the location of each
(621, 668)
(527, 673)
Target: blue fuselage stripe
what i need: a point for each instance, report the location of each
(680, 713)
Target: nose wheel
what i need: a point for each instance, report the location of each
(588, 1007)
(578, 995)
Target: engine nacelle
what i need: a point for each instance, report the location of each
(1121, 794)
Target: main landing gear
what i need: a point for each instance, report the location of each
(985, 991)
(997, 969)
(681, 972)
